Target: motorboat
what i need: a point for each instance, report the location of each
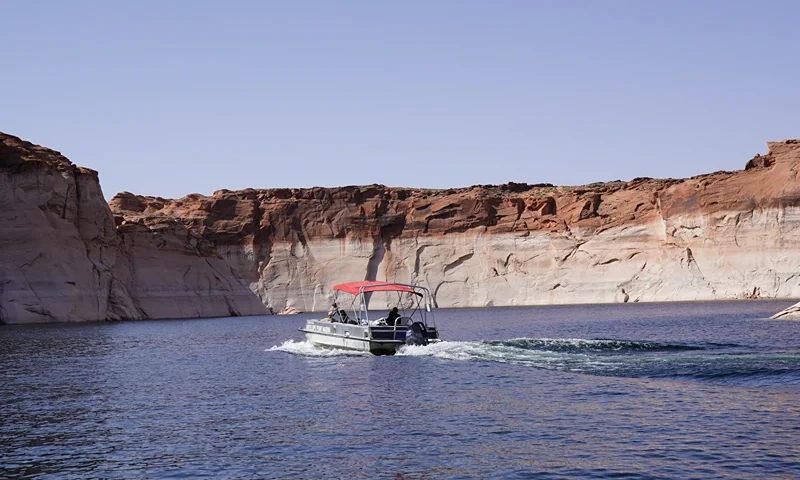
(409, 321)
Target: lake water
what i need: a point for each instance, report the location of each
(686, 390)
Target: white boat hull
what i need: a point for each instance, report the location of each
(352, 337)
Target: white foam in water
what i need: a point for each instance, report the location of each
(509, 353)
(419, 350)
(514, 352)
(308, 349)
(449, 350)
(598, 357)
(469, 351)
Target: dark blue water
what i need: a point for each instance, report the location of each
(689, 390)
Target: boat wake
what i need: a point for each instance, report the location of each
(577, 345)
(719, 363)
(524, 350)
(308, 349)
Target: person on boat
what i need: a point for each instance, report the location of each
(392, 317)
(336, 310)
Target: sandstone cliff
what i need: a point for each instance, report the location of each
(717, 236)
(62, 258)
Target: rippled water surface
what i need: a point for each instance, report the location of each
(688, 390)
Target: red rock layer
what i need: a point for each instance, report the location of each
(297, 215)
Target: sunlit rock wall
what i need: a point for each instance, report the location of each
(63, 258)
(717, 236)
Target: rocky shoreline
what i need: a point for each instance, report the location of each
(67, 255)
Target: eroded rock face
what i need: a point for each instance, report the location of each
(63, 259)
(66, 256)
(722, 235)
(172, 272)
(55, 235)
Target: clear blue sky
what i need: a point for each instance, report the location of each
(173, 97)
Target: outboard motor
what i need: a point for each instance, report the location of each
(417, 334)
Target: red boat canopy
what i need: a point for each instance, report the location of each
(354, 288)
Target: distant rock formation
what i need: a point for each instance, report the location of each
(66, 256)
(64, 259)
(289, 311)
(790, 313)
(717, 236)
